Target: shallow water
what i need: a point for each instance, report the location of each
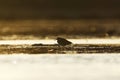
(50, 46)
(53, 41)
(60, 67)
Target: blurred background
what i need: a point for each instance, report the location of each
(73, 18)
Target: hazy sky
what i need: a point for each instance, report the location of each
(56, 9)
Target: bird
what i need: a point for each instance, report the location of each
(63, 42)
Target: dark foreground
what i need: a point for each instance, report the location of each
(55, 49)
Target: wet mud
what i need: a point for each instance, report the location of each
(56, 49)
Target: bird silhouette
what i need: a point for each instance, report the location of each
(63, 42)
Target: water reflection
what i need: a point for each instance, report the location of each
(61, 59)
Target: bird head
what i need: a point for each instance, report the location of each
(58, 38)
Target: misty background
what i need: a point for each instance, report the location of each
(59, 9)
(60, 17)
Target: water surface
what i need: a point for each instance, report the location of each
(60, 66)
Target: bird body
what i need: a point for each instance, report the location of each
(63, 42)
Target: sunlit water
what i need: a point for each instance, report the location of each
(52, 41)
(60, 67)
